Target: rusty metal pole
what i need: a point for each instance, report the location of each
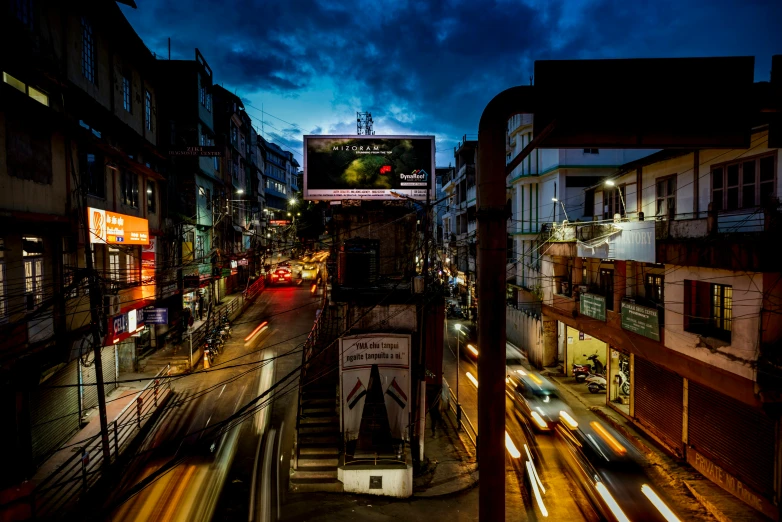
(492, 232)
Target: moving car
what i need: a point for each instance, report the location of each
(309, 272)
(281, 276)
(537, 399)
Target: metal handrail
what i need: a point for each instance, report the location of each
(464, 417)
(85, 467)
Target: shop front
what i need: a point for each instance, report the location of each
(619, 386)
(124, 331)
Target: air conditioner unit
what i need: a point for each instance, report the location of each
(111, 303)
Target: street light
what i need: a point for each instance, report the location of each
(292, 201)
(610, 183)
(458, 328)
(240, 191)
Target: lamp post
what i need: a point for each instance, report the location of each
(610, 183)
(555, 200)
(458, 328)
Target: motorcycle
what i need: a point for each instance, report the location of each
(599, 369)
(581, 371)
(596, 383)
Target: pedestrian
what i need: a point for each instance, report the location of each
(200, 305)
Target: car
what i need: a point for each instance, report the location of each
(468, 338)
(310, 272)
(281, 276)
(537, 399)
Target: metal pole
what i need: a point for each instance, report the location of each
(492, 231)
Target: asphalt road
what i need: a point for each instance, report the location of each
(227, 471)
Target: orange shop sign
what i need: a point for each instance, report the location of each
(116, 229)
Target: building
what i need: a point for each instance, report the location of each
(78, 115)
(660, 269)
(278, 171)
(442, 175)
(459, 220)
(187, 117)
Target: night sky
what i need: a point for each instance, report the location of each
(429, 67)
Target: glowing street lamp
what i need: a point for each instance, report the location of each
(610, 183)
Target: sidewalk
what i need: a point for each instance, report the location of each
(451, 464)
(664, 468)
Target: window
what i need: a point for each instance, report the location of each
(3, 308)
(591, 151)
(129, 188)
(23, 9)
(200, 248)
(613, 202)
(217, 163)
(130, 268)
(708, 309)
(234, 134)
(32, 252)
(654, 288)
(666, 196)
(87, 51)
(148, 110)
(151, 196)
(746, 183)
(29, 149)
(114, 268)
(127, 100)
(93, 175)
(37, 95)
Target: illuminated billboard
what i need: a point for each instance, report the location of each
(116, 229)
(368, 167)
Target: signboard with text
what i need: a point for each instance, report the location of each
(368, 167)
(391, 354)
(116, 229)
(593, 305)
(199, 150)
(627, 241)
(156, 316)
(641, 320)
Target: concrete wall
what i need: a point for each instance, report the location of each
(526, 332)
(740, 354)
(396, 482)
(576, 349)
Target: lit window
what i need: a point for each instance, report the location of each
(32, 252)
(32, 92)
(114, 269)
(130, 268)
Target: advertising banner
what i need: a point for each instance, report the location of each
(641, 320)
(391, 354)
(156, 316)
(148, 253)
(593, 306)
(368, 167)
(633, 241)
(116, 229)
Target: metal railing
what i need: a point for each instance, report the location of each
(74, 477)
(461, 416)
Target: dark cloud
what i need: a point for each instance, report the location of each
(432, 66)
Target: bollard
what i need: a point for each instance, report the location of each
(206, 361)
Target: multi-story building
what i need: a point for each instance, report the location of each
(78, 164)
(278, 190)
(442, 175)
(187, 118)
(663, 270)
(459, 220)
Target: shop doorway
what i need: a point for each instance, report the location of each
(619, 385)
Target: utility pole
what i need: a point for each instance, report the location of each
(96, 303)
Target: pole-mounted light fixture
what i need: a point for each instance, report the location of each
(555, 200)
(610, 183)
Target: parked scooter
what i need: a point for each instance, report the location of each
(581, 371)
(596, 383)
(599, 368)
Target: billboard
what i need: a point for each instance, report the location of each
(116, 229)
(628, 241)
(368, 167)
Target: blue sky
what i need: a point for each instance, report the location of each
(429, 67)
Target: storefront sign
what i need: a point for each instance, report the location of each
(368, 167)
(116, 229)
(148, 261)
(156, 316)
(730, 483)
(390, 354)
(234, 264)
(641, 320)
(119, 324)
(226, 272)
(208, 150)
(629, 241)
(279, 222)
(132, 322)
(243, 262)
(593, 305)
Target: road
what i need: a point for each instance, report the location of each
(563, 492)
(227, 473)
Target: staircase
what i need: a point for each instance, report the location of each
(317, 449)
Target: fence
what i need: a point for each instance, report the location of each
(453, 406)
(74, 477)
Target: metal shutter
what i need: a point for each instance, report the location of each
(736, 436)
(54, 412)
(88, 380)
(659, 399)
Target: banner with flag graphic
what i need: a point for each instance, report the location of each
(356, 394)
(396, 393)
